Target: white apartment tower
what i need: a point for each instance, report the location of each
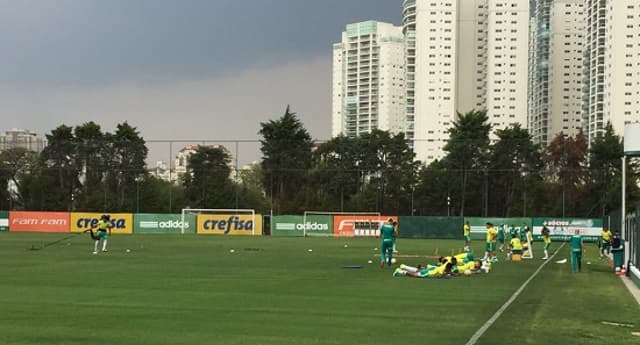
(612, 65)
(368, 79)
(463, 55)
(556, 69)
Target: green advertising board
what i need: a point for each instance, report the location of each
(144, 223)
(4, 221)
(561, 229)
(292, 226)
(479, 229)
(430, 227)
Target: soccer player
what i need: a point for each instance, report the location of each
(524, 232)
(429, 271)
(577, 248)
(103, 226)
(490, 246)
(605, 242)
(388, 234)
(547, 241)
(467, 236)
(512, 231)
(515, 247)
(501, 237)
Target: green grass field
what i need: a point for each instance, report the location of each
(193, 290)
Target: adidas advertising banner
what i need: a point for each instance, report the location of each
(292, 226)
(229, 224)
(4, 221)
(145, 223)
(561, 229)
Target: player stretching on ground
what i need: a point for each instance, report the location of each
(547, 241)
(467, 236)
(103, 226)
(388, 234)
(577, 248)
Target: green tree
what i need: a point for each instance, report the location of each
(567, 174)
(58, 172)
(337, 175)
(516, 166)
(126, 155)
(286, 148)
(467, 155)
(252, 194)
(207, 181)
(433, 192)
(90, 148)
(16, 165)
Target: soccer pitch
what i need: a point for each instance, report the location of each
(193, 290)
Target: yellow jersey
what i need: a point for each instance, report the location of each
(546, 239)
(437, 271)
(467, 230)
(492, 233)
(471, 265)
(606, 235)
(515, 244)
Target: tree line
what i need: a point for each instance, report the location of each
(507, 175)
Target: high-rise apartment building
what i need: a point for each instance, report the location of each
(611, 66)
(556, 78)
(463, 55)
(369, 79)
(21, 138)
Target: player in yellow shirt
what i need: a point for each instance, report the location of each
(515, 246)
(466, 230)
(605, 242)
(490, 246)
(429, 271)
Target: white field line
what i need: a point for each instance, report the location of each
(476, 336)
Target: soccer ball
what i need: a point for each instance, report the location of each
(467, 272)
(393, 260)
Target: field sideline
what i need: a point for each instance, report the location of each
(193, 290)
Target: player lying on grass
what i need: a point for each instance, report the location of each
(444, 270)
(103, 232)
(461, 258)
(429, 271)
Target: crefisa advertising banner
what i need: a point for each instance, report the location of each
(229, 224)
(121, 223)
(561, 229)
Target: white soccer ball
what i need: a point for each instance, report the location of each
(128, 250)
(346, 246)
(393, 260)
(370, 261)
(467, 272)
(231, 251)
(310, 250)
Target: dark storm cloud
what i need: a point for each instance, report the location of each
(88, 42)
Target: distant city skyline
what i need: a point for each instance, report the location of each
(176, 70)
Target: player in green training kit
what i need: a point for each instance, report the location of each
(103, 232)
(547, 241)
(501, 237)
(577, 248)
(388, 234)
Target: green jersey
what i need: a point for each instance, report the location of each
(388, 232)
(501, 233)
(576, 243)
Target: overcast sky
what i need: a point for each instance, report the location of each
(175, 69)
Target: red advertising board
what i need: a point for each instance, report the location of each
(39, 221)
(359, 225)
